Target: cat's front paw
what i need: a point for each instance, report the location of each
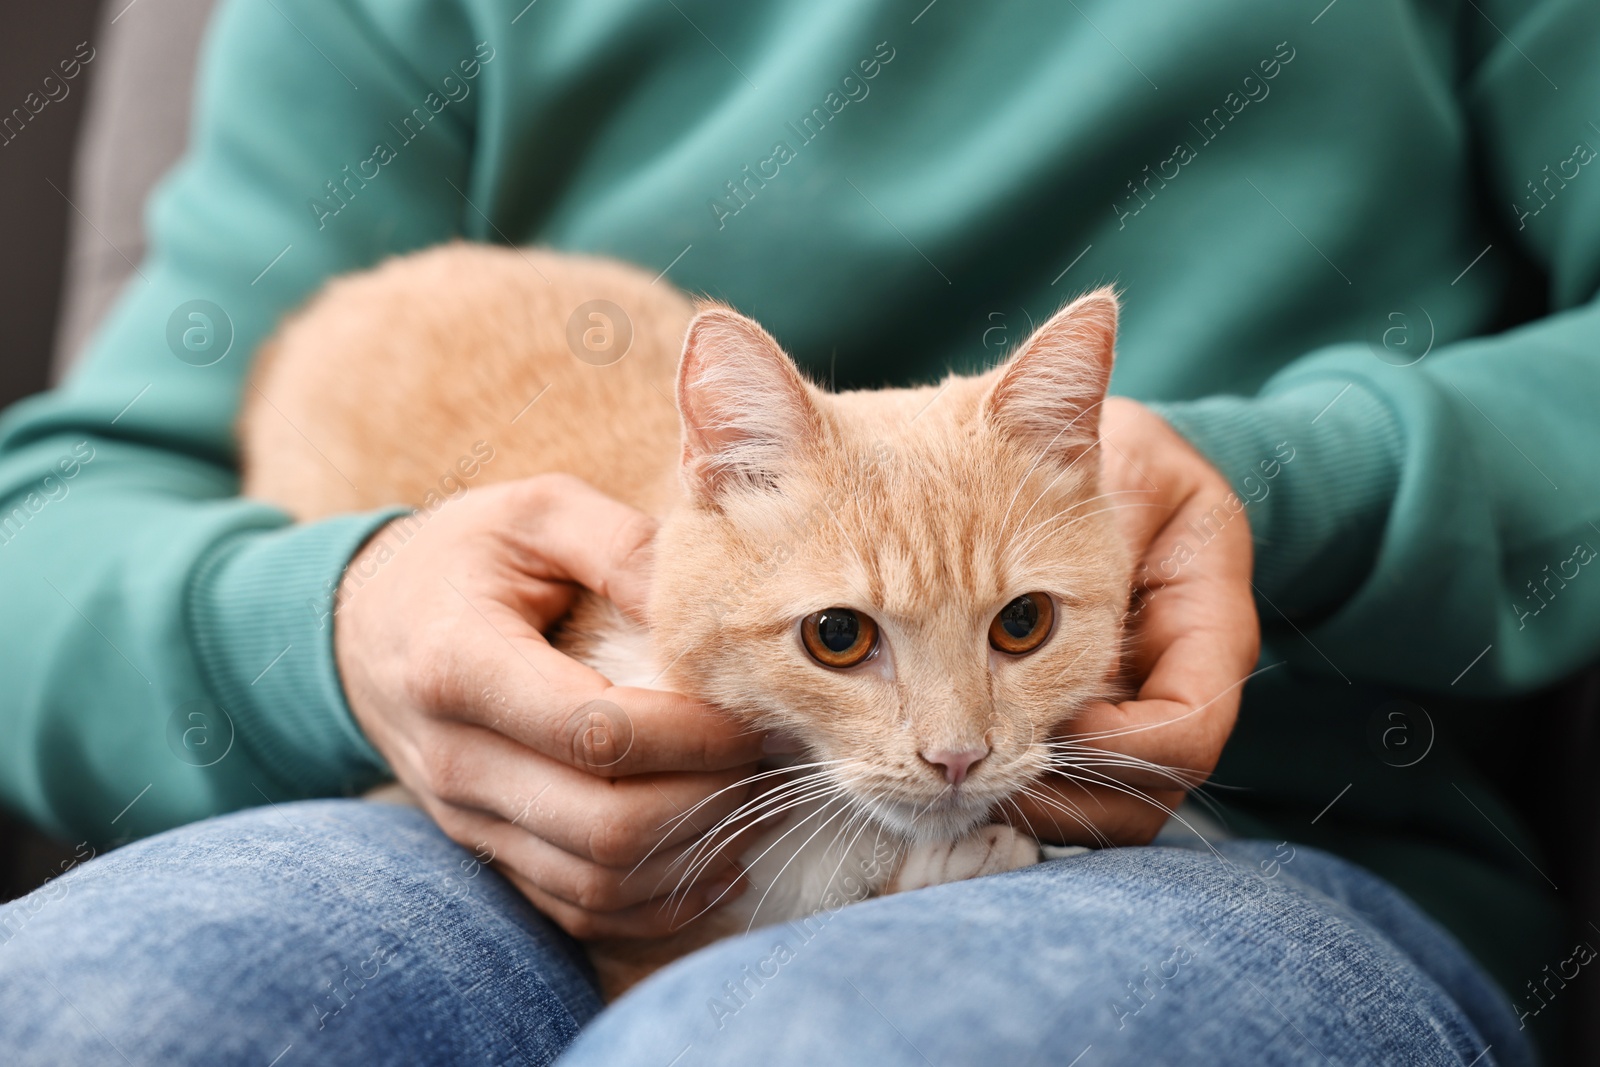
(989, 849)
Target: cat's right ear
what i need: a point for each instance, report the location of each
(744, 407)
(1048, 395)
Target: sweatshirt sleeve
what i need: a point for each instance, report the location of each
(1439, 523)
(166, 647)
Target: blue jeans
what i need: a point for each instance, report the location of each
(348, 932)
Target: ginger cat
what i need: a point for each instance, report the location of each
(915, 583)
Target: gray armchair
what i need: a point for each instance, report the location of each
(134, 129)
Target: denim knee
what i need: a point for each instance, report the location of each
(1145, 954)
(342, 929)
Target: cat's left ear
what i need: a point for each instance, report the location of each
(1049, 393)
(745, 408)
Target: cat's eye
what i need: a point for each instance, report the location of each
(1022, 625)
(839, 637)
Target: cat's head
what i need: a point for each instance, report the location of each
(920, 585)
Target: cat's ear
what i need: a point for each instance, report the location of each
(744, 407)
(1048, 395)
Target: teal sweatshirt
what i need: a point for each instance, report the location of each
(1358, 244)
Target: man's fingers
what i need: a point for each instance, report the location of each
(672, 732)
(615, 822)
(655, 918)
(1063, 812)
(564, 890)
(1173, 733)
(1187, 704)
(618, 732)
(1153, 744)
(677, 873)
(1215, 615)
(575, 533)
(1197, 642)
(509, 679)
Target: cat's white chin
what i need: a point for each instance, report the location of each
(943, 820)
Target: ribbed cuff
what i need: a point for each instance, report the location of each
(1317, 463)
(261, 622)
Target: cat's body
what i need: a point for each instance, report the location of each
(926, 509)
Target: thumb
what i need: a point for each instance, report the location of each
(632, 558)
(575, 533)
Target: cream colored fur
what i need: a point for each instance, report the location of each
(926, 508)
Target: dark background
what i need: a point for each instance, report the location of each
(33, 216)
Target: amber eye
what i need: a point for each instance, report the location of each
(1023, 624)
(839, 637)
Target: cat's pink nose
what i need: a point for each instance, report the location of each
(954, 764)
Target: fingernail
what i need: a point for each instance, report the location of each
(779, 743)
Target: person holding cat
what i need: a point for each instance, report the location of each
(1323, 408)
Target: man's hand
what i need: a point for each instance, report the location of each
(1194, 639)
(500, 736)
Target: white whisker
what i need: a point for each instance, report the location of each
(1071, 810)
(1182, 779)
(697, 863)
(667, 828)
(1040, 529)
(1197, 709)
(780, 839)
(1024, 531)
(1116, 786)
(848, 807)
(1045, 451)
